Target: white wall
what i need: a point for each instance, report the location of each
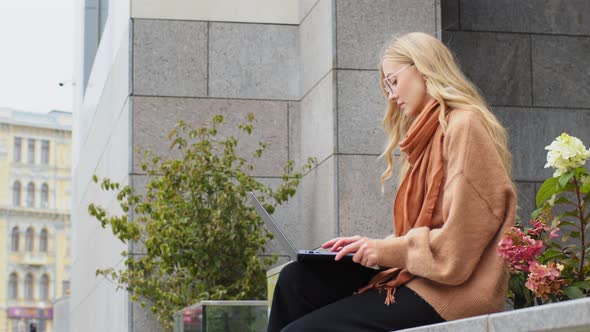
(101, 146)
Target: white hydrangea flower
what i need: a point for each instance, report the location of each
(565, 153)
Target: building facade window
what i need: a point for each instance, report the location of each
(44, 195)
(29, 286)
(31, 194)
(43, 240)
(65, 286)
(29, 238)
(18, 142)
(45, 152)
(31, 151)
(45, 287)
(13, 286)
(16, 193)
(14, 239)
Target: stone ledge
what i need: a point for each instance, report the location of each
(564, 316)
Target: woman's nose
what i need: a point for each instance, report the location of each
(392, 96)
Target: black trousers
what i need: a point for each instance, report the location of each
(317, 296)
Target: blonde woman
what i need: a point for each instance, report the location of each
(455, 198)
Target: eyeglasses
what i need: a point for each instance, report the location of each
(391, 87)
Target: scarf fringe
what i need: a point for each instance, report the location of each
(389, 297)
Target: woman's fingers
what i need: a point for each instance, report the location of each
(330, 243)
(353, 247)
(359, 255)
(345, 241)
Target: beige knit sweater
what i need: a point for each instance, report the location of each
(456, 267)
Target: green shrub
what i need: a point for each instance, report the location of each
(198, 236)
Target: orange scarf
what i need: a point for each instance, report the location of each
(417, 195)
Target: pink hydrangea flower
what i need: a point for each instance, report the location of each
(519, 249)
(553, 233)
(543, 279)
(538, 227)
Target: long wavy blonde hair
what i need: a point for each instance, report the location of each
(446, 83)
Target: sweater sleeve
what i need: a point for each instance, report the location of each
(478, 198)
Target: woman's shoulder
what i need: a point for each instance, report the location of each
(467, 141)
(462, 123)
(460, 117)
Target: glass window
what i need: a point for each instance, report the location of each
(31, 194)
(14, 241)
(29, 238)
(103, 14)
(16, 193)
(13, 286)
(29, 286)
(31, 151)
(43, 240)
(95, 19)
(45, 287)
(17, 149)
(45, 152)
(44, 195)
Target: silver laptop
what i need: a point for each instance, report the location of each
(300, 255)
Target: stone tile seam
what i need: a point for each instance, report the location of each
(211, 21)
(520, 33)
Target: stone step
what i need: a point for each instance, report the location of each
(567, 316)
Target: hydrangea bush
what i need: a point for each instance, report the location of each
(548, 264)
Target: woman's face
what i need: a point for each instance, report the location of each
(411, 93)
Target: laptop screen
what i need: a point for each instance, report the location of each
(272, 226)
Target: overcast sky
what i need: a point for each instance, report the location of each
(36, 53)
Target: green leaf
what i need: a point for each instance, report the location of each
(570, 213)
(570, 262)
(573, 292)
(567, 223)
(550, 254)
(579, 171)
(547, 189)
(585, 284)
(565, 178)
(551, 200)
(516, 286)
(563, 200)
(218, 119)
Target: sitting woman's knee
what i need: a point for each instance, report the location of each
(292, 273)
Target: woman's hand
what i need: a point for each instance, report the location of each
(365, 249)
(338, 243)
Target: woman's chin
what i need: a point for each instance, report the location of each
(409, 113)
